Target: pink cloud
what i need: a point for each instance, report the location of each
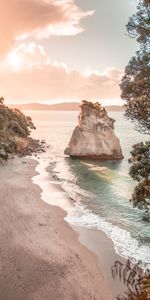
(26, 56)
(32, 77)
(38, 19)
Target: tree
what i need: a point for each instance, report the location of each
(140, 171)
(135, 88)
(135, 85)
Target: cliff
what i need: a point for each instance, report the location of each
(94, 136)
(15, 130)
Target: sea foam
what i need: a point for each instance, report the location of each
(125, 245)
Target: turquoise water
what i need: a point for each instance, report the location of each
(101, 189)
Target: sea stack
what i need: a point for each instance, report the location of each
(94, 136)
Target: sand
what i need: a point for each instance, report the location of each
(40, 255)
(103, 247)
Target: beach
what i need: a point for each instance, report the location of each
(41, 257)
(74, 150)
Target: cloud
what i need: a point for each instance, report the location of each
(29, 75)
(26, 56)
(21, 19)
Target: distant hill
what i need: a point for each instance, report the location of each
(114, 108)
(59, 106)
(39, 106)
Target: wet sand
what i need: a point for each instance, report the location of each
(41, 257)
(103, 247)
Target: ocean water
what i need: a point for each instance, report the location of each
(101, 190)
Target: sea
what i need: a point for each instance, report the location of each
(101, 191)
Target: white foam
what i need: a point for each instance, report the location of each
(125, 245)
(49, 193)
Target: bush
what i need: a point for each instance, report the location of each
(14, 127)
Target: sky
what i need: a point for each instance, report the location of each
(64, 50)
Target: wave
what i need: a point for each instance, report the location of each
(74, 192)
(125, 245)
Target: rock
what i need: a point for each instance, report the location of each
(3, 154)
(94, 136)
(32, 146)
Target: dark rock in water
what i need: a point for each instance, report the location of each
(94, 136)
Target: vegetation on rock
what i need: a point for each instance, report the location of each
(135, 88)
(15, 129)
(94, 136)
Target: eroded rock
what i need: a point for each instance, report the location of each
(94, 136)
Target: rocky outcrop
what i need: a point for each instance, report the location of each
(94, 136)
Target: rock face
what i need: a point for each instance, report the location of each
(94, 136)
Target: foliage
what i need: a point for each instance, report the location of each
(139, 24)
(13, 124)
(136, 90)
(135, 85)
(136, 280)
(140, 171)
(1, 100)
(140, 168)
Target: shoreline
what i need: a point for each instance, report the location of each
(102, 247)
(41, 257)
(97, 241)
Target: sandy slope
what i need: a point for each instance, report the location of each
(40, 256)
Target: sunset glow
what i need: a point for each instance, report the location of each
(56, 50)
(74, 150)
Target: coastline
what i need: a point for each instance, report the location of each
(96, 241)
(103, 247)
(41, 257)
